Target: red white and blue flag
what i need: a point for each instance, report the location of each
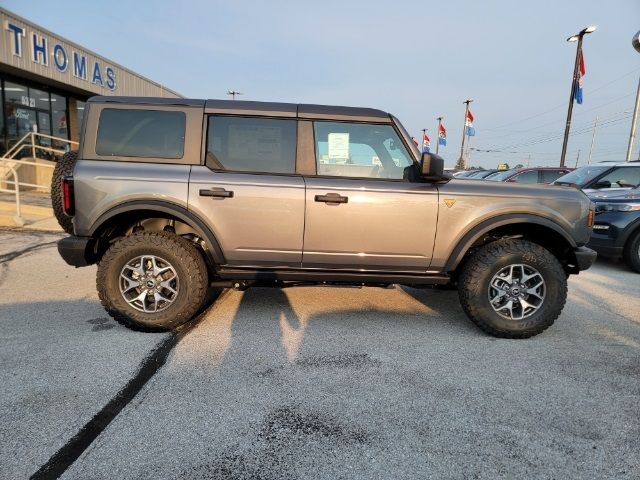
(442, 135)
(426, 143)
(468, 123)
(580, 79)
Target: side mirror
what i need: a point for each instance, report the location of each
(432, 167)
(602, 184)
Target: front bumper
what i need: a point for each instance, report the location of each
(606, 246)
(585, 257)
(76, 251)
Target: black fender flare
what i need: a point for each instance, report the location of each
(214, 253)
(482, 228)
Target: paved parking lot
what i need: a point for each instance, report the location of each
(312, 382)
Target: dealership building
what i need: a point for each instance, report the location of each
(45, 81)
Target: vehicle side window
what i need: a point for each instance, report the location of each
(246, 144)
(530, 176)
(140, 133)
(549, 176)
(360, 150)
(623, 177)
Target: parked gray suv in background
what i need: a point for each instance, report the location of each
(175, 198)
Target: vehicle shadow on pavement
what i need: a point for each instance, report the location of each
(268, 321)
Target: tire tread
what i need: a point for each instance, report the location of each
(194, 266)
(482, 260)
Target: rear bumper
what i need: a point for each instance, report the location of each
(76, 251)
(585, 257)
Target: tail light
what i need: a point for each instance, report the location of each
(68, 200)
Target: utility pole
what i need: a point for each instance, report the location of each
(233, 94)
(634, 121)
(593, 139)
(438, 135)
(574, 84)
(461, 165)
(635, 41)
(577, 158)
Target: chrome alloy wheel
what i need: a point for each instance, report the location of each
(516, 292)
(149, 283)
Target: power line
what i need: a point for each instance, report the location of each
(559, 120)
(587, 92)
(578, 131)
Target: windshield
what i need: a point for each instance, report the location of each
(498, 177)
(582, 175)
(405, 134)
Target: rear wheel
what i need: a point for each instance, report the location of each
(513, 288)
(63, 168)
(152, 281)
(632, 252)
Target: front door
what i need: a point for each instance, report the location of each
(249, 193)
(361, 212)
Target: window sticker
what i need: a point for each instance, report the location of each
(339, 146)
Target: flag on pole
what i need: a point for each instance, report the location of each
(468, 124)
(580, 80)
(442, 135)
(426, 143)
(415, 142)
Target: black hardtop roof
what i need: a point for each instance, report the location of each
(242, 107)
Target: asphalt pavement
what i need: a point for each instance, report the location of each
(312, 382)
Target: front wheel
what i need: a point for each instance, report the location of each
(632, 252)
(152, 281)
(513, 288)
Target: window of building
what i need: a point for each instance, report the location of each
(141, 133)
(39, 99)
(80, 108)
(360, 150)
(16, 94)
(59, 116)
(251, 144)
(3, 130)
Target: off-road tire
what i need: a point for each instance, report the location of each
(632, 252)
(182, 255)
(487, 262)
(63, 168)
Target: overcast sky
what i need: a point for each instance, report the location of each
(416, 59)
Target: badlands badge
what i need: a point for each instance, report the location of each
(449, 202)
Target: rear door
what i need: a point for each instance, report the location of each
(248, 191)
(361, 212)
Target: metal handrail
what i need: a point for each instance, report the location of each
(9, 161)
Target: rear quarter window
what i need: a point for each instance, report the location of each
(140, 133)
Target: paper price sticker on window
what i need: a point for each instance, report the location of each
(339, 146)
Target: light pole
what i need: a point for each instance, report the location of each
(461, 163)
(574, 83)
(632, 135)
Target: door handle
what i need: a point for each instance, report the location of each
(217, 193)
(331, 198)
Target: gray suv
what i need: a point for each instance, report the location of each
(174, 199)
